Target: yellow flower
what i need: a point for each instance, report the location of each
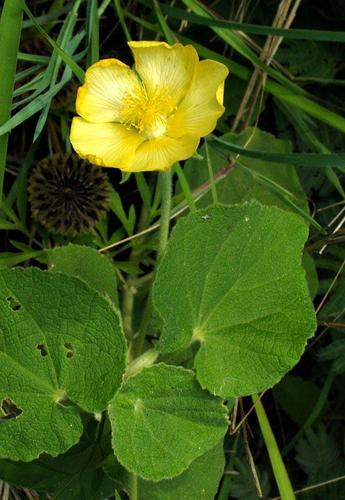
(151, 116)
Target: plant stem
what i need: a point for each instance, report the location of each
(138, 344)
(278, 466)
(150, 356)
(133, 487)
(166, 187)
(127, 310)
(147, 359)
(10, 29)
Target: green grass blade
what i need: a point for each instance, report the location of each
(93, 32)
(77, 70)
(155, 28)
(121, 15)
(162, 22)
(233, 39)
(297, 119)
(10, 30)
(53, 15)
(22, 56)
(32, 108)
(68, 45)
(294, 34)
(38, 84)
(279, 470)
(282, 194)
(297, 159)
(21, 75)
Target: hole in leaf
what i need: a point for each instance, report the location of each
(9, 410)
(70, 349)
(43, 349)
(13, 303)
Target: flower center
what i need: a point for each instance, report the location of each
(147, 112)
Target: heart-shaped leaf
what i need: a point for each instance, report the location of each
(61, 347)
(232, 280)
(162, 420)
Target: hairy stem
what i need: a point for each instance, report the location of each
(166, 187)
(133, 487)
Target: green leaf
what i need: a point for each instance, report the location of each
(232, 280)
(60, 342)
(312, 160)
(199, 481)
(74, 475)
(238, 186)
(88, 265)
(162, 420)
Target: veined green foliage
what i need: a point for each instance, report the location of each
(200, 480)
(72, 475)
(59, 342)
(88, 265)
(171, 421)
(232, 281)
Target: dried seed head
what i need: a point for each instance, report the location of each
(68, 196)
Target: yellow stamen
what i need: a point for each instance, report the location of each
(148, 113)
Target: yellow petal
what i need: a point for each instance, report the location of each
(100, 99)
(203, 105)
(104, 144)
(165, 68)
(153, 43)
(162, 152)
